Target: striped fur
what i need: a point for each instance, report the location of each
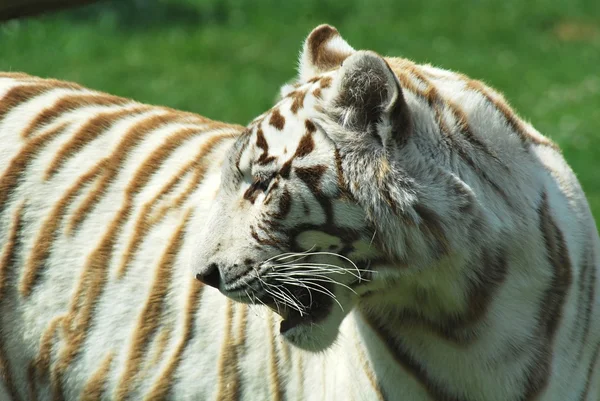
(405, 215)
(475, 250)
(101, 201)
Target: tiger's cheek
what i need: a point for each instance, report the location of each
(318, 241)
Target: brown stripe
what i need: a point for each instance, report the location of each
(69, 103)
(47, 233)
(552, 303)
(20, 94)
(95, 387)
(6, 375)
(149, 319)
(300, 361)
(19, 164)
(198, 175)
(297, 100)
(311, 176)
(162, 385)
(92, 282)
(131, 139)
(10, 249)
(160, 345)
(7, 262)
(277, 120)
(146, 221)
(509, 115)
(306, 146)
(373, 381)
(274, 377)
(326, 82)
(32, 382)
(285, 353)
(42, 362)
(228, 386)
(284, 207)
(88, 132)
(590, 374)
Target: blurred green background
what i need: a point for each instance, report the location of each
(226, 59)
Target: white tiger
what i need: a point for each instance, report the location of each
(420, 241)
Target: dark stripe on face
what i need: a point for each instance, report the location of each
(306, 146)
(431, 227)
(285, 205)
(298, 100)
(261, 142)
(285, 170)
(345, 192)
(277, 120)
(310, 127)
(326, 82)
(311, 176)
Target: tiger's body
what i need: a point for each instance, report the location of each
(475, 252)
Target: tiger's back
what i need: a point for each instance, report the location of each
(97, 196)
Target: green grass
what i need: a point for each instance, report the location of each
(227, 59)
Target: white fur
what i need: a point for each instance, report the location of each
(345, 370)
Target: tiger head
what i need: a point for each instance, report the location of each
(285, 229)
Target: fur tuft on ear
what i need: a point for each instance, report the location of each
(324, 49)
(367, 98)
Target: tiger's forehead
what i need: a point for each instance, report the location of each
(284, 128)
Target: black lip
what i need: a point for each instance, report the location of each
(294, 319)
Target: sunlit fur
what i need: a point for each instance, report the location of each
(440, 248)
(463, 246)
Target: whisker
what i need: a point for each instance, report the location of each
(323, 290)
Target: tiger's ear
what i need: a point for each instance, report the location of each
(367, 98)
(324, 49)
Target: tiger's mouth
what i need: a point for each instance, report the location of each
(308, 308)
(292, 318)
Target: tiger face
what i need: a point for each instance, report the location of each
(285, 229)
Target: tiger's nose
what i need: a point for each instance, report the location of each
(210, 276)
